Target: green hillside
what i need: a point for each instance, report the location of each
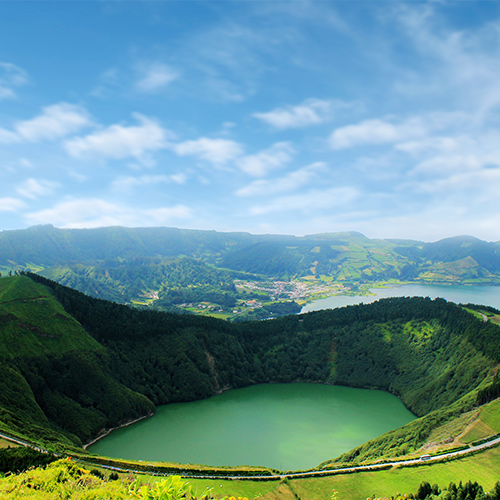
(85, 364)
(52, 372)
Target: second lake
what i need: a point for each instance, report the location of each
(487, 295)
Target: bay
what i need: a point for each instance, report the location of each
(283, 426)
(461, 294)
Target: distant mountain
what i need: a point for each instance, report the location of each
(120, 264)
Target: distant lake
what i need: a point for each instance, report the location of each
(460, 294)
(283, 426)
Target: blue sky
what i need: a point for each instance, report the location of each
(290, 117)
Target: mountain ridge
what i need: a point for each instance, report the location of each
(135, 265)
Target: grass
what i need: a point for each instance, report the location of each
(34, 322)
(481, 313)
(91, 461)
(482, 468)
(478, 430)
(446, 434)
(66, 479)
(495, 318)
(487, 424)
(236, 488)
(490, 415)
(7, 444)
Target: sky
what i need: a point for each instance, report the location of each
(264, 116)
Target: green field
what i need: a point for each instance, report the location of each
(483, 468)
(7, 444)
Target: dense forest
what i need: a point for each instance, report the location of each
(72, 364)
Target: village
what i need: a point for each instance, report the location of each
(291, 290)
(261, 293)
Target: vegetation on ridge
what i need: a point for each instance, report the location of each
(116, 363)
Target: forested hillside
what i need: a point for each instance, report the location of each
(87, 364)
(141, 265)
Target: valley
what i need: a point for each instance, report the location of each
(123, 339)
(407, 346)
(238, 276)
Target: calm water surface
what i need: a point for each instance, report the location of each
(461, 294)
(284, 426)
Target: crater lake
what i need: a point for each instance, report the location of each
(283, 426)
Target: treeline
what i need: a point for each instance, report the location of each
(20, 458)
(175, 280)
(471, 490)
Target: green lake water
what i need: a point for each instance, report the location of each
(488, 295)
(284, 426)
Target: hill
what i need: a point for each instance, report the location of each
(86, 364)
(168, 267)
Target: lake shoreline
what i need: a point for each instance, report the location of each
(106, 432)
(481, 294)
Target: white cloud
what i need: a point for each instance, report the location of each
(33, 188)
(54, 122)
(476, 186)
(311, 201)
(376, 132)
(11, 204)
(119, 141)
(294, 180)
(11, 76)
(94, 212)
(78, 214)
(441, 156)
(310, 112)
(18, 164)
(433, 222)
(260, 164)
(465, 60)
(439, 165)
(125, 184)
(179, 178)
(216, 151)
(155, 76)
(8, 137)
(167, 215)
(429, 144)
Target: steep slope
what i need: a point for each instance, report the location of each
(53, 373)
